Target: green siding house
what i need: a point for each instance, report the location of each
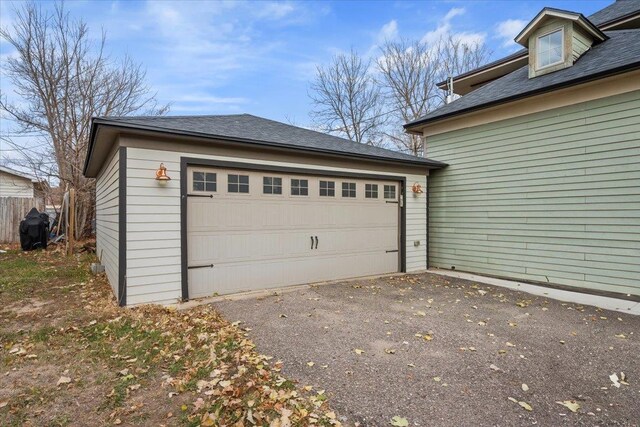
(543, 154)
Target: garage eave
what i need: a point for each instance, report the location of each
(118, 127)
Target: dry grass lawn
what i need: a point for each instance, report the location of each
(70, 356)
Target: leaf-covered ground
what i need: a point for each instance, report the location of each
(70, 356)
(428, 350)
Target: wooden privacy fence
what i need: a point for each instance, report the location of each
(12, 211)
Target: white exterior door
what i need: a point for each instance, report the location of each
(249, 230)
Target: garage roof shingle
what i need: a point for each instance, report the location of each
(252, 129)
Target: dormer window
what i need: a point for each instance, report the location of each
(556, 39)
(550, 51)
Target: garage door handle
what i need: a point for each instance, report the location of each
(311, 242)
(316, 242)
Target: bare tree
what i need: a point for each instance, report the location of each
(63, 79)
(410, 72)
(347, 99)
(456, 57)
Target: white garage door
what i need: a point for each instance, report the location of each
(250, 230)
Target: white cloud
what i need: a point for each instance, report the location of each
(508, 30)
(389, 31)
(454, 12)
(276, 10)
(445, 29)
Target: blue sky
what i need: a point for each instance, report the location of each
(258, 57)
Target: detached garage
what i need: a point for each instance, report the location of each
(190, 207)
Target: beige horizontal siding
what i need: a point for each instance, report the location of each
(553, 196)
(107, 217)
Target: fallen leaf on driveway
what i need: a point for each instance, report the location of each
(437, 379)
(420, 313)
(494, 367)
(481, 292)
(621, 336)
(525, 387)
(67, 380)
(614, 379)
(399, 421)
(572, 405)
(310, 364)
(390, 351)
(284, 316)
(358, 351)
(523, 404)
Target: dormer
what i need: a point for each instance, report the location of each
(556, 39)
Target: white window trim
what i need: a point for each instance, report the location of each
(237, 193)
(326, 189)
(192, 181)
(298, 187)
(377, 191)
(538, 66)
(281, 194)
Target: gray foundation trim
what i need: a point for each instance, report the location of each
(186, 162)
(122, 227)
(568, 288)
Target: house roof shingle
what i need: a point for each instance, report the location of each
(260, 131)
(616, 10)
(620, 53)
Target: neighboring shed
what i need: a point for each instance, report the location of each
(543, 182)
(14, 183)
(251, 204)
(17, 198)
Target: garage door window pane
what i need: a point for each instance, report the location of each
(371, 191)
(327, 188)
(348, 189)
(238, 183)
(299, 187)
(271, 185)
(389, 191)
(204, 181)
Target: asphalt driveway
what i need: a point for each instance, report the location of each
(440, 351)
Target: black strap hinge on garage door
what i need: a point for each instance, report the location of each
(199, 266)
(395, 250)
(392, 201)
(200, 195)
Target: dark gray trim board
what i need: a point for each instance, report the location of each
(122, 226)
(186, 162)
(427, 234)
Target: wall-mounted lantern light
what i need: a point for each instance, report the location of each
(417, 188)
(161, 174)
